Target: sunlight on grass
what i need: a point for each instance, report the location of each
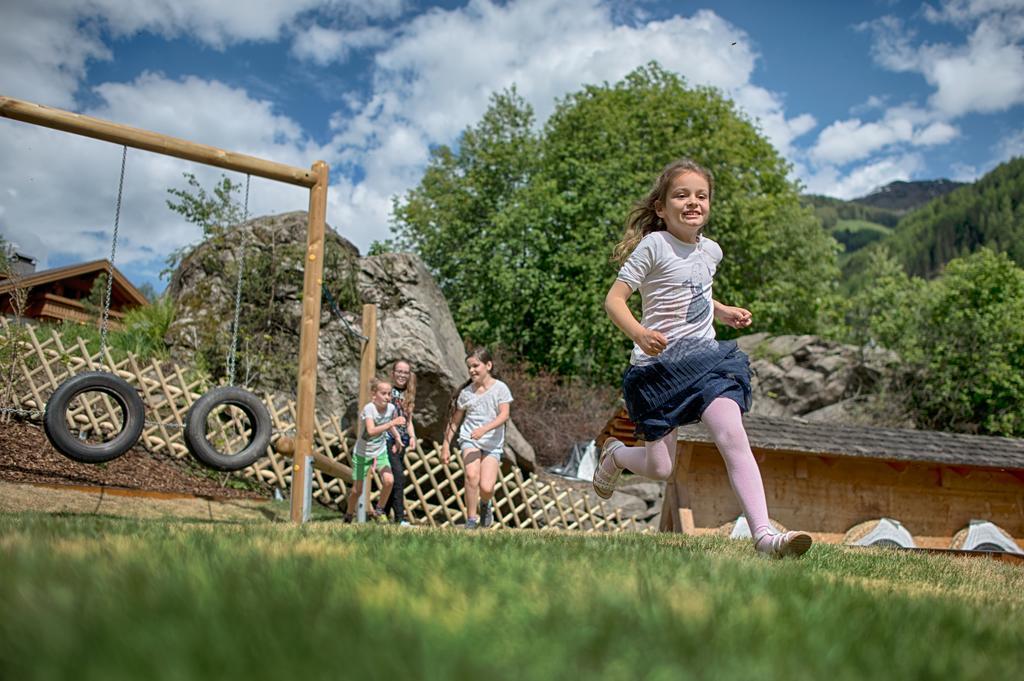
(105, 598)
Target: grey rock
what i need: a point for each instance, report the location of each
(648, 490)
(413, 318)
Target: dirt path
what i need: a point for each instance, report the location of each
(46, 498)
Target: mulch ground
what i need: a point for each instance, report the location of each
(27, 457)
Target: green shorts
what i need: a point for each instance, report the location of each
(361, 464)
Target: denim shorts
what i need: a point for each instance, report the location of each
(469, 445)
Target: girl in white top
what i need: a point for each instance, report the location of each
(484, 401)
(678, 372)
(379, 416)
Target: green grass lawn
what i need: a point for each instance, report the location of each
(86, 597)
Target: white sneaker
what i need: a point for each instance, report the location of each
(784, 544)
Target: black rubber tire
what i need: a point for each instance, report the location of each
(55, 423)
(259, 422)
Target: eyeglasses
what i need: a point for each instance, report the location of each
(403, 373)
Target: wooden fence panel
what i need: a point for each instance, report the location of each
(433, 491)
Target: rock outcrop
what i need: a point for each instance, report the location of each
(817, 379)
(413, 319)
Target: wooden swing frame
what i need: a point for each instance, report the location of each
(315, 179)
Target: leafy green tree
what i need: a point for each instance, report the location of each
(455, 219)
(961, 337)
(519, 226)
(212, 212)
(971, 347)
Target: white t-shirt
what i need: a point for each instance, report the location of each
(481, 410)
(674, 279)
(374, 445)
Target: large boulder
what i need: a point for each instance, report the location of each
(413, 319)
(818, 379)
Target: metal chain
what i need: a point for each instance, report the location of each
(113, 252)
(27, 413)
(232, 351)
(346, 325)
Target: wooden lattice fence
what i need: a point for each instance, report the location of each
(432, 492)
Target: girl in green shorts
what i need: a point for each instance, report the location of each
(371, 453)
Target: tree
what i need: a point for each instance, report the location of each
(518, 226)
(971, 347)
(961, 338)
(213, 213)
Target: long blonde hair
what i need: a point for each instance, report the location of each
(643, 219)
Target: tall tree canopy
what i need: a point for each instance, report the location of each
(518, 225)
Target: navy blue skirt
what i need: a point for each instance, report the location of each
(677, 386)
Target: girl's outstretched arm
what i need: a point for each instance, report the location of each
(651, 342)
(736, 317)
(449, 433)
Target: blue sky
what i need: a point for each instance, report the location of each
(854, 95)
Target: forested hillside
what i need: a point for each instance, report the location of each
(987, 213)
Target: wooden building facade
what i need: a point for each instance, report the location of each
(827, 479)
(59, 294)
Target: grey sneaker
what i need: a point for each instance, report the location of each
(487, 518)
(471, 523)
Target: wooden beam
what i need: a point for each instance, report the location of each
(368, 361)
(285, 446)
(97, 128)
(309, 336)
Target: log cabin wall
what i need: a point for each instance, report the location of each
(827, 495)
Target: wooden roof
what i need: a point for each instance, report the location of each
(836, 439)
(890, 444)
(121, 283)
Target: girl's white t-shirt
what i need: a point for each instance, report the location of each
(374, 445)
(481, 410)
(674, 279)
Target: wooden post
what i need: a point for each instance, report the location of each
(309, 336)
(676, 508)
(367, 370)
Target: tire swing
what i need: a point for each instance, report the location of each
(56, 421)
(252, 407)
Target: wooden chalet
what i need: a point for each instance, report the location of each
(59, 294)
(828, 479)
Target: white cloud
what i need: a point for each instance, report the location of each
(432, 76)
(45, 46)
(436, 76)
(983, 74)
(1009, 146)
(865, 178)
(323, 46)
(853, 140)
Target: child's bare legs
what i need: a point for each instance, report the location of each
(488, 477)
(653, 460)
(353, 498)
(387, 481)
(722, 418)
(472, 484)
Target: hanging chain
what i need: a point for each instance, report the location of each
(113, 252)
(233, 350)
